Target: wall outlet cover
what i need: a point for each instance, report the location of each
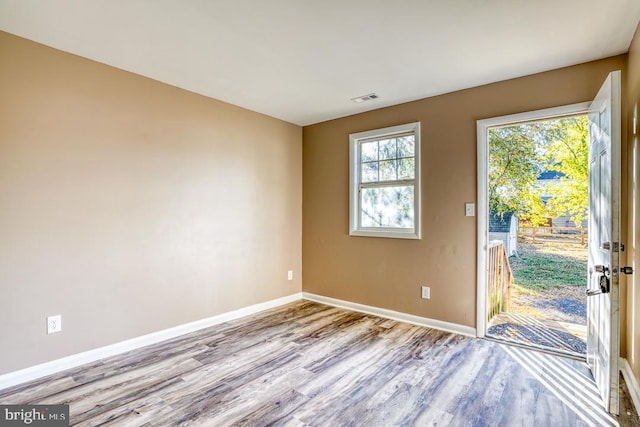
(54, 324)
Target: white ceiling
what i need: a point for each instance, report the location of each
(302, 61)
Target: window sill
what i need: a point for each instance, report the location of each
(410, 235)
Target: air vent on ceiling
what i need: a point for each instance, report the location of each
(363, 98)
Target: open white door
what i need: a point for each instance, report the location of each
(603, 337)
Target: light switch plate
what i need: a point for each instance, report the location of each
(469, 209)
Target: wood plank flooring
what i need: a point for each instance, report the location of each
(306, 364)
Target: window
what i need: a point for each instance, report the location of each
(385, 182)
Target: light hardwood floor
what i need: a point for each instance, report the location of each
(310, 364)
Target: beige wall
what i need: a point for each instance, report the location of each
(632, 341)
(129, 206)
(388, 272)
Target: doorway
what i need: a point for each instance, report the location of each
(492, 259)
(538, 205)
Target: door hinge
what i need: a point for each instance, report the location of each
(617, 247)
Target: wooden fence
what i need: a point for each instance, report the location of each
(500, 279)
(578, 233)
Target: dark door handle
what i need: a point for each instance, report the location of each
(626, 270)
(603, 283)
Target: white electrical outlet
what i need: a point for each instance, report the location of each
(290, 275)
(469, 209)
(54, 324)
(426, 292)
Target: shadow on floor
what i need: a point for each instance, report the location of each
(559, 337)
(562, 378)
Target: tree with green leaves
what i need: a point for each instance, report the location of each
(519, 153)
(514, 166)
(567, 153)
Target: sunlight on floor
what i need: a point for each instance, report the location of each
(575, 388)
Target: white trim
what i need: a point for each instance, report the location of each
(48, 368)
(482, 127)
(631, 381)
(393, 315)
(482, 226)
(354, 183)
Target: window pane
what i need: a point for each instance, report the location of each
(387, 149)
(370, 172)
(388, 170)
(369, 151)
(387, 207)
(406, 168)
(406, 146)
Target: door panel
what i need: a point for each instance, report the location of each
(603, 339)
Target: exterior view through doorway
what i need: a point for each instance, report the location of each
(538, 204)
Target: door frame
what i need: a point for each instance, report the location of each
(483, 127)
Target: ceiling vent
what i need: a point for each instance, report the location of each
(363, 98)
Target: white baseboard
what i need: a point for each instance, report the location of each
(393, 315)
(48, 368)
(632, 382)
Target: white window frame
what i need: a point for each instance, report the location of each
(355, 140)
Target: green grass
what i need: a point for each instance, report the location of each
(537, 271)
